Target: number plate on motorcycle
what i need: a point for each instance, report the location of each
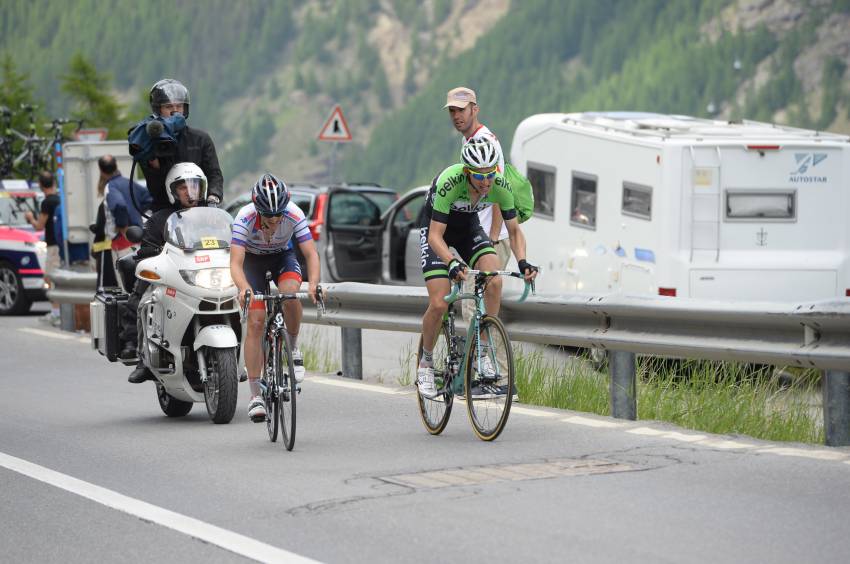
(209, 242)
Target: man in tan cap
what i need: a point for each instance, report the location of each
(463, 110)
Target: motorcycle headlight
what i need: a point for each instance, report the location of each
(209, 278)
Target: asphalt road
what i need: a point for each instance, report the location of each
(90, 470)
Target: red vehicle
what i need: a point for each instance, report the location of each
(346, 223)
(22, 251)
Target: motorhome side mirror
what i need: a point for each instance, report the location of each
(134, 233)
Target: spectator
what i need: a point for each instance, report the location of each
(120, 208)
(101, 248)
(167, 97)
(51, 201)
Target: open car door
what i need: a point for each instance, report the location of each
(401, 249)
(352, 249)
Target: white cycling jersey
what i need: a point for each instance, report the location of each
(247, 232)
(485, 216)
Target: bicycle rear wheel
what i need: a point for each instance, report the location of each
(287, 395)
(489, 379)
(271, 394)
(435, 412)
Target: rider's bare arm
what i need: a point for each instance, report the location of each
(518, 242)
(237, 259)
(308, 248)
(495, 226)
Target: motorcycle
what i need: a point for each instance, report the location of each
(189, 315)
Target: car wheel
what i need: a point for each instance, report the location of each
(13, 299)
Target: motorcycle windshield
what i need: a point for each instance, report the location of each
(197, 229)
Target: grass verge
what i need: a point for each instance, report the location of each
(716, 397)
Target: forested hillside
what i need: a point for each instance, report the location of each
(265, 74)
(650, 55)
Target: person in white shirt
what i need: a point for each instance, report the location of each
(463, 111)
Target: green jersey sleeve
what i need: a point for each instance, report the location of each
(502, 195)
(448, 188)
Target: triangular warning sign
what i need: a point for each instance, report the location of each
(335, 129)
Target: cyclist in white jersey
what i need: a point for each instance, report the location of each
(263, 232)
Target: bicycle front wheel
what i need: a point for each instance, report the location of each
(271, 393)
(435, 412)
(287, 394)
(489, 379)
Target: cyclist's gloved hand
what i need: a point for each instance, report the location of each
(527, 268)
(455, 269)
(213, 201)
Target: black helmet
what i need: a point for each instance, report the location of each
(270, 195)
(167, 91)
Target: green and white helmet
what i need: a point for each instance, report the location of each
(480, 153)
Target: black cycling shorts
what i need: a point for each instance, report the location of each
(470, 242)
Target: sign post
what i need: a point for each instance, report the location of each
(336, 131)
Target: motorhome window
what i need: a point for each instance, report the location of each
(637, 200)
(583, 201)
(761, 206)
(542, 178)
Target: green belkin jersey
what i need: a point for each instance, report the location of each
(450, 203)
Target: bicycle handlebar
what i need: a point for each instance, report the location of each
(456, 286)
(250, 296)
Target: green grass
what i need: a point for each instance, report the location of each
(716, 397)
(320, 355)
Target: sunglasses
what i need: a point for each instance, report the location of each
(482, 175)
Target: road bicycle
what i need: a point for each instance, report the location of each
(51, 147)
(7, 154)
(36, 153)
(31, 160)
(478, 366)
(277, 382)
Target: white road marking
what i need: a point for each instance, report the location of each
(805, 453)
(355, 385)
(531, 412)
(588, 422)
(228, 540)
(43, 333)
(725, 444)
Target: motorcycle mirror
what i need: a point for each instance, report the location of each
(134, 233)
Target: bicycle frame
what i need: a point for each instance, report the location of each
(448, 321)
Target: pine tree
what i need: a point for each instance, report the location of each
(91, 91)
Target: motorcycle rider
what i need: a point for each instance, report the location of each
(186, 187)
(167, 97)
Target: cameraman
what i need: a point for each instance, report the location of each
(167, 97)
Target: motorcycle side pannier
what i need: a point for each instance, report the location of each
(105, 322)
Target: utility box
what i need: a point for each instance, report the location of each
(81, 177)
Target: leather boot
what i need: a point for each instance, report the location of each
(140, 374)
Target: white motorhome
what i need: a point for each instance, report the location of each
(643, 203)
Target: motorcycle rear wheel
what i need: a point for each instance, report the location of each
(170, 405)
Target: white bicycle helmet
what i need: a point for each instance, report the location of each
(480, 153)
(194, 178)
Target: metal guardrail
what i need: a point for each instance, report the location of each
(810, 335)
(72, 287)
(815, 335)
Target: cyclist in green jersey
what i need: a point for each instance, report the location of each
(455, 198)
